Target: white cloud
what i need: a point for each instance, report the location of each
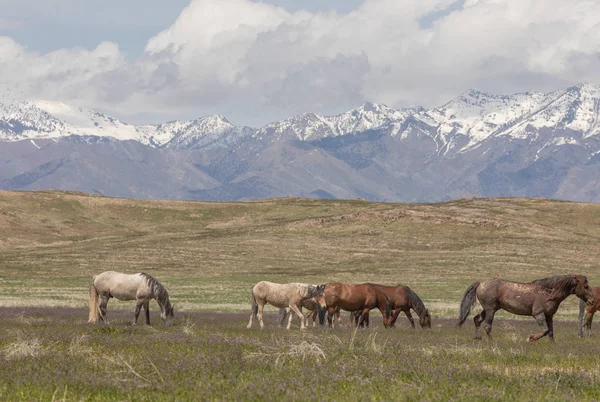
(256, 62)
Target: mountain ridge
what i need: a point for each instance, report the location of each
(478, 144)
(474, 114)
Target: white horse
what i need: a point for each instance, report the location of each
(140, 287)
(282, 295)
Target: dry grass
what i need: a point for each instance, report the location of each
(285, 353)
(24, 348)
(209, 254)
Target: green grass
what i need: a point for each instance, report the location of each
(208, 255)
(53, 354)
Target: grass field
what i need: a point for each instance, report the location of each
(208, 255)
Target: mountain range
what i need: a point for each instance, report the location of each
(477, 145)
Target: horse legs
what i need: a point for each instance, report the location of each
(394, 317)
(330, 312)
(410, 318)
(362, 318)
(544, 321)
(487, 322)
(290, 311)
(254, 312)
(147, 311)
(587, 321)
(478, 319)
(299, 314)
(312, 313)
(281, 316)
(260, 315)
(138, 307)
(103, 304)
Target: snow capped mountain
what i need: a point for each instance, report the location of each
(479, 144)
(311, 126)
(185, 132)
(478, 114)
(460, 124)
(367, 117)
(214, 130)
(43, 119)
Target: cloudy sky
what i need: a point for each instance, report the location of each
(148, 61)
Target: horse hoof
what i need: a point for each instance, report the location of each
(477, 338)
(531, 339)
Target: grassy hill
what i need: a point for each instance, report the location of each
(209, 254)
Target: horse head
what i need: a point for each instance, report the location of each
(425, 320)
(315, 290)
(583, 290)
(168, 314)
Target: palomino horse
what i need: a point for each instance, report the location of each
(140, 287)
(539, 299)
(357, 298)
(312, 305)
(588, 311)
(402, 298)
(282, 295)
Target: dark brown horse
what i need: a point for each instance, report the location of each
(586, 313)
(403, 299)
(539, 299)
(358, 298)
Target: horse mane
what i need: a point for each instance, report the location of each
(558, 284)
(417, 303)
(157, 289)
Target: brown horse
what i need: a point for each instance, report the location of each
(358, 298)
(539, 299)
(403, 299)
(588, 311)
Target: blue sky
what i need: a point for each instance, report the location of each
(148, 61)
(47, 25)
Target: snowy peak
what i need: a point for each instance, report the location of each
(307, 126)
(27, 120)
(369, 116)
(195, 133)
(466, 120)
(311, 126)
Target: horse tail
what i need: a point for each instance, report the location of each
(94, 303)
(253, 303)
(581, 315)
(467, 303)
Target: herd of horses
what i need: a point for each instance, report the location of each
(539, 298)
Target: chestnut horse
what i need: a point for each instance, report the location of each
(357, 298)
(588, 311)
(539, 299)
(402, 298)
